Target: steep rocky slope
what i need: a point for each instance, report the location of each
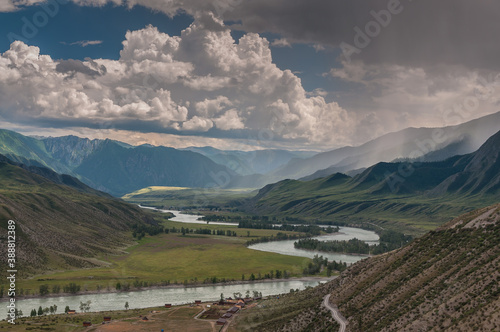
(447, 280)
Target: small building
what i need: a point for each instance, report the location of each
(227, 315)
(197, 302)
(221, 321)
(106, 318)
(86, 324)
(168, 305)
(71, 312)
(233, 310)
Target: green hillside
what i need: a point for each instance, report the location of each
(28, 150)
(61, 223)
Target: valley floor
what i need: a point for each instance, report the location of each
(175, 259)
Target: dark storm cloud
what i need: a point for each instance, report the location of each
(425, 32)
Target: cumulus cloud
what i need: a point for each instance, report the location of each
(197, 123)
(202, 81)
(281, 42)
(229, 120)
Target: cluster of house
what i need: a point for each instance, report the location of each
(237, 304)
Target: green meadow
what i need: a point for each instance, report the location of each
(174, 258)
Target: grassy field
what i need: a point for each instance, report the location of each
(176, 258)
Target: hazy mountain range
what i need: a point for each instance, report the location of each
(112, 166)
(392, 195)
(119, 168)
(433, 144)
(251, 162)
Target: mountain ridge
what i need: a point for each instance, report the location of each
(426, 144)
(391, 194)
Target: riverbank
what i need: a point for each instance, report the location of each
(159, 297)
(173, 286)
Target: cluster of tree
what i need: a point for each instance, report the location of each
(239, 295)
(389, 240)
(315, 266)
(71, 288)
(273, 274)
(263, 219)
(217, 217)
(43, 311)
(140, 230)
(330, 229)
(309, 229)
(319, 263)
(350, 246)
(207, 231)
(276, 274)
(279, 237)
(122, 287)
(335, 266)
(85, 306)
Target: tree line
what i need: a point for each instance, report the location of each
(389, 240)
(264, 219)
(318, 263)
(139, 231)
(310, 229)
(279, 237)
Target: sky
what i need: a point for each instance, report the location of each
(253, 74)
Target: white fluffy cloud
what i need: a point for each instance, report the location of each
(200, 80)
(281, 42)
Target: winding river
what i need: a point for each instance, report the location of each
(346, 233)
(187, 218)
(287, 247)
(182, 295)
